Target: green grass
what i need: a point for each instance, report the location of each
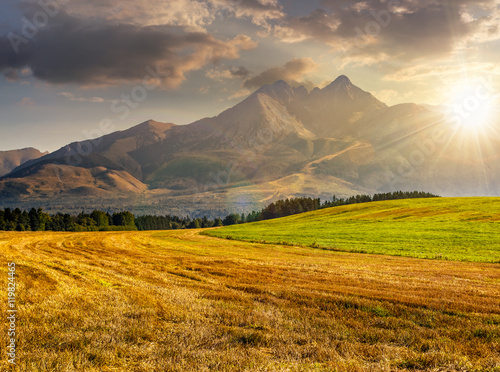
(459, 229)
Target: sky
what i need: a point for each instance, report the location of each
(76, 69)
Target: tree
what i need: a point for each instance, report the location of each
(231, 219)
(125, 219)
(195, 224)
(2, 220)
(34, 220)
(205, 222)
(100, 218)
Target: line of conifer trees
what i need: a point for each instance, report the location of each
(378, 197)
(37, 220)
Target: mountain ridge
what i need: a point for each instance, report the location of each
(279, 141)
(11, 159)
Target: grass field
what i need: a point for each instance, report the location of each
(180, 301)
(462, 229)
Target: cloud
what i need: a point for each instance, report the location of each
(438, 81)
(319, 25)
(72, 50)
(442, 71)
(191, 14)
(292, 71)
(11, 75)
(204, 89)
(26, 102)
(72, 97)
(240, 93)
(240, 72)
(259, 11)
(373, 30)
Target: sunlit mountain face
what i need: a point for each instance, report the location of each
(298, 98)
(280, 142)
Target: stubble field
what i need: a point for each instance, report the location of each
(180, 301)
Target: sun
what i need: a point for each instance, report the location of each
(474, 106)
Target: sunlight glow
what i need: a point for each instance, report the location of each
(473, 106)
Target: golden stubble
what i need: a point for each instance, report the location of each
(180, 301)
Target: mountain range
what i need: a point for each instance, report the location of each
(279, 142)
(10, 160)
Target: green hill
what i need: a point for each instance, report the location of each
(461, 229)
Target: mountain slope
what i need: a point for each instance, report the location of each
(330, 112)
(279, 142)
(9, 160)
(111, 150)
(98, 168)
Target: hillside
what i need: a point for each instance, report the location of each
(279, 142)
(10, 160)
(464, 229)
(177, 301)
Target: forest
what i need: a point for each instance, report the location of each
(38, 220)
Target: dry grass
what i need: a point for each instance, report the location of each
(178, 301)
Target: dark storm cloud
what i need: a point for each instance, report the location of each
(72, 50)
